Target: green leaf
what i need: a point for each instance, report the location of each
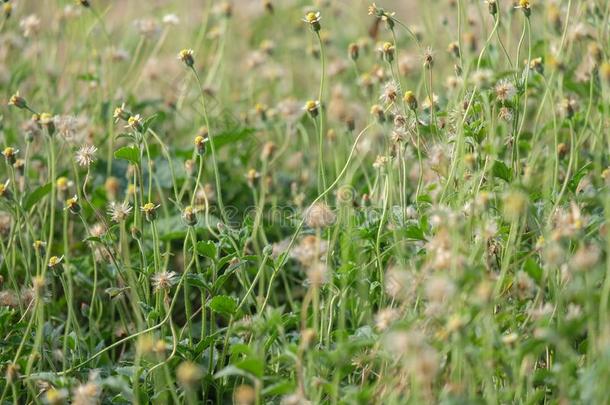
(206, 248)
(532, 268)
(223, 304)
(229, 137)
(414, 232)
(502, 171)
(37, 195)
(129, 153)
(252, 365)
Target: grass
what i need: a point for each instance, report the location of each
(286, 202)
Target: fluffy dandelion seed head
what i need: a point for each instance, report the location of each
(86, 394)
(119, 211)
(244, 395)
(85, 156)
(164, 280)
(188, 374)
(319, 216)
(505, 91)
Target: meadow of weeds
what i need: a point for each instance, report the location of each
(297, 202)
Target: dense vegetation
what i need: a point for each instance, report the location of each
(294, 202)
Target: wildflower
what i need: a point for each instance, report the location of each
(319, 215)
(569, 106)
(261, 109)
(492, 5)
(188, 374)
(505, 90)
(353, 50)
(86, 394)
(135, 122)
(312, 107)
(244, 395)
(164, 280)
(4, 190)
(454, 49)
(378, 112)
(390, 93)
(411, 100)
(428, 58)
(313, 19)
(119, 211)
(318, 274)
(150, 211)
(86, 155)
(55, 262)
(385, 317)
(380, 162)
(525, 6)
(200, 144)
(30, 25)
(40, 247)
(505, 114)
(72, 205)
(383, 15)
(120, 113)
(47, 121)
(54, 396)
(268, 150)
(9, 154)
(8, 9)
(252, 177)
(189, 216)
(171, 19)
(186, 56)
(17, 101)
(515, 204)
(387, 51)
(537, 65)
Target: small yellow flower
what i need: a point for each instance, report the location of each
(120, 113)
(4, 190)
(150, 211)
(312, 107)
(10, 153)
(72, 205)
(313, 19)
(135, 122)
(186, 56)
(16, 100)
(55, 261)
(525, 6)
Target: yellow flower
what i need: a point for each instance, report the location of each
(186, 56)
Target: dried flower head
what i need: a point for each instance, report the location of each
(85, 155)
(119, 211)
(319, 215)
(164, 280)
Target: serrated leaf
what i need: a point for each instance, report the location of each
(129, 153)
(37, 195)
(223, 304)
(502, 171)
(206, 248)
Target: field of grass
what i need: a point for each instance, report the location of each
(305, 202)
